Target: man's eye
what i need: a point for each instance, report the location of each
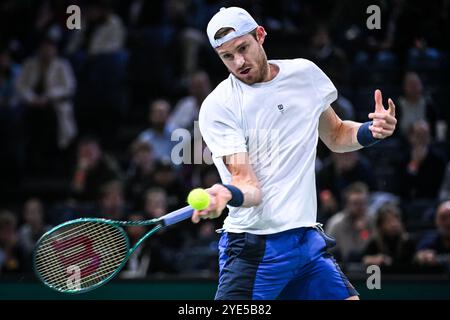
(227, 56)
(243, 48)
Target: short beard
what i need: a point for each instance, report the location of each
(264, 66)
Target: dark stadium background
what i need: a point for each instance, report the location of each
(98, 144)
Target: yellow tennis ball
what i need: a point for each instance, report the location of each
(198, 199)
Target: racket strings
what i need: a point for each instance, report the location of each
(73, 254)
(75, 258)
(81, 259)
(59, 275)
(47, 243)
(71, 247)
(70, 231)
(112, 261)
(72, 257)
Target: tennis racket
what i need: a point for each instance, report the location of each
(83, 254)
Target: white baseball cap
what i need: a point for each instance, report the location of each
(233, 17)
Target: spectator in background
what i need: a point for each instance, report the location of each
(49, 21)
(390, 247)
(209, 176)
(33, 227)
(112, 201)
(425, 167)
(11, 137)
(151, 257)
(164, 245)
(444, 192)
(414, 105)
(8, 74)
(100, 62)
(138, 264)
(200, 254)
(345, 110)
(352, 227)
(11, 255)
(158, 135)
(140, 172)
(433, 251)
(187, 109)
(331, 59)
(337, 172)
(46, 85)
(155, 204)
(101, 32)
(166, 177)
(93, 168)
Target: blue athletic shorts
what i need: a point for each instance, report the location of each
(290, 265)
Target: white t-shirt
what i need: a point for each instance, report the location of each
(276, 122)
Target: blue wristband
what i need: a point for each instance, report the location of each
(364, 135)
(237, 197)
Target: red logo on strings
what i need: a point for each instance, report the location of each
(84, 253)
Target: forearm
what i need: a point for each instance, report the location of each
(252, 193)
(346, 139)
(244, 178)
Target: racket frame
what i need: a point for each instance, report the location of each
(116, 224)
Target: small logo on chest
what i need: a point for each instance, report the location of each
(281, 108)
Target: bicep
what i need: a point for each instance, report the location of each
(338, 135)
(329, 126)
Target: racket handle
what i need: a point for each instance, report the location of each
(177, 216)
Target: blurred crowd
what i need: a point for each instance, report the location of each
(87, 119)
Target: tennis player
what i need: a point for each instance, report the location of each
(262, 125)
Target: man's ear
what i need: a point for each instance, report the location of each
(260, 34)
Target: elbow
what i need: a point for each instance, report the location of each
(334, 146)
(258, 197)
(253, 197)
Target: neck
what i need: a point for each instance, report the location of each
(272, 71)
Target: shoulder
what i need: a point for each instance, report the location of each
(114, 20)
(296, 65)
(29, 63)
(61, 63)
(146, 135)
(335, 221)
(186, 103)
(218, 101)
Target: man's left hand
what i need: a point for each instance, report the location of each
(384, 121)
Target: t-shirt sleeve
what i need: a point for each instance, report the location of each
(323, 86)
(221, 130)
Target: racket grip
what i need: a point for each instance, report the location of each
(177, 216)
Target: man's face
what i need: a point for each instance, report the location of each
(200, 85)
(391, 225)
(33, 212)
(48, 51)
(245, 58)
(357, 204)
(412, 85)
(90, 152)
(159, 112)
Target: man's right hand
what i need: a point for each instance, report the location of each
(219, 197)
